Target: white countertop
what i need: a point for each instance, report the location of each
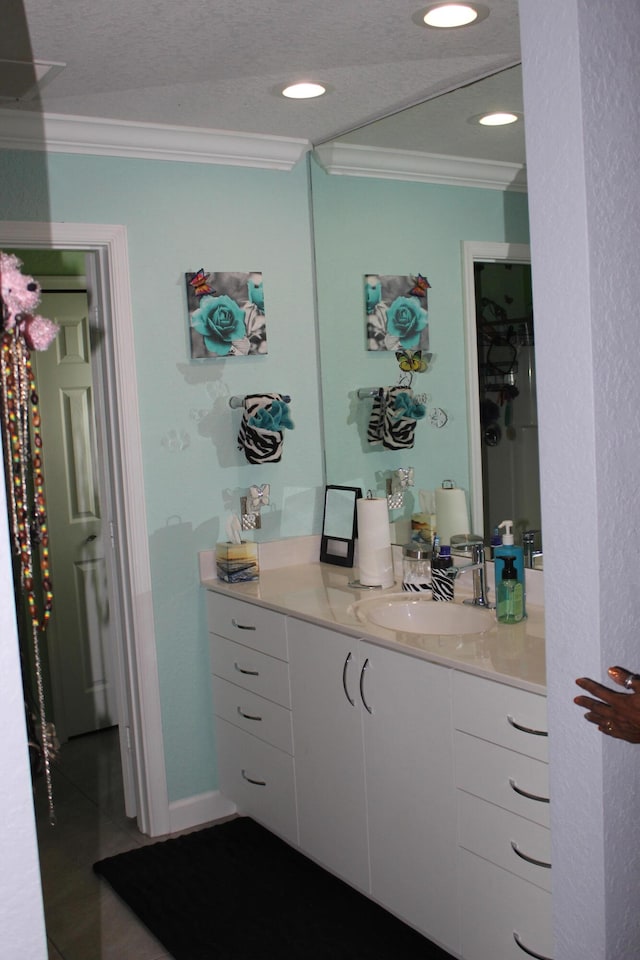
(319, 592)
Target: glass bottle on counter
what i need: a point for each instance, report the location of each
(510, 598)
(416, 567)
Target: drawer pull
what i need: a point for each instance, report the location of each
(241, 626)
(523, 856)
(517, 726)
(247, 716)
(257, 783)
(524, 793)
(347, 661)
(530, 953)
(248, 673)
(362, 696)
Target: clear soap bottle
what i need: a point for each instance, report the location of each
(509, 549)
(510, 598)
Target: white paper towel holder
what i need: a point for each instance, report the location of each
(355, 584)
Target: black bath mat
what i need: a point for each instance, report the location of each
(237, 892)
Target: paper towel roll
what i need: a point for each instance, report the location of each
(452, 515)
(375, 560)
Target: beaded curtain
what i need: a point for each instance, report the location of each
(21, 332)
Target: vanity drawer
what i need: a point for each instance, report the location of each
(248, 623)
(258, 778)
(492, 833)
(509, 779)
(498, 907)
(251, 670)
(505, 715)
(259, 717)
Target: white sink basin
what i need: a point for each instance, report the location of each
(400, 611)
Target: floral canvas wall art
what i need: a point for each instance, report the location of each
(226, 314)
(397, 314)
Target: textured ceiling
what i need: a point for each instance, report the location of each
(216, 64)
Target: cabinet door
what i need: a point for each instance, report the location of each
(410, 790)
(329, 762)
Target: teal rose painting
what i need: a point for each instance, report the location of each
(226, 315)
(397, 314)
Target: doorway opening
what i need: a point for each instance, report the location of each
(501, 389)
(119, 466)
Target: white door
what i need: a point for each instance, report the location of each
(79, 636)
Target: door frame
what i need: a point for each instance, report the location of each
(479, 251)
(120, 421)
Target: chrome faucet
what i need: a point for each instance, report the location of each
(528, 547)
(478, 568)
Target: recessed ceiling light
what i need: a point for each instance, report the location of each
(449, 15)
(303, 91)
(497, 119)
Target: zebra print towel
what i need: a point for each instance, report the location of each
(393, 418)
(264, 418)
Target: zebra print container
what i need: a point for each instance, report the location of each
(442, 575)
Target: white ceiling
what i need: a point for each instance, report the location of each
(216, 64)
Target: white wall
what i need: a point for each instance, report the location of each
(581, 91)
(22, 935)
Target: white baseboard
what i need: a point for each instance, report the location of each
(200, 809)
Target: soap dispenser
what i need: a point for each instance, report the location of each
(508, 549)
(510, 595)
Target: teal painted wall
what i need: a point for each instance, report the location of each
(181, 217)
(398, 228)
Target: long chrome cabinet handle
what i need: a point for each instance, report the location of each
(241, 626)
(524, 793)
(248, 673)
(530, 953)
(347, 661)
(523, 856)
(362, 696)
(257, 783)
(518, 726)
(247, 716)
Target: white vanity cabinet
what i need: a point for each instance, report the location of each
(252, 705)
(374, 773)
(420, 784)
(503, 820)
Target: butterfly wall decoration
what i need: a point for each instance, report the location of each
(420, 287)
(200, 283)
(258, 496)
(412, 361)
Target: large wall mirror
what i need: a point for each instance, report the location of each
(417, 189)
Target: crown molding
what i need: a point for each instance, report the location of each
(356, 160)
(58, 133)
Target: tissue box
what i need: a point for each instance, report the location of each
(423, 526)
(237, 562)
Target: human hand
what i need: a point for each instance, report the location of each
(616, 714)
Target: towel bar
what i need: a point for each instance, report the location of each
(236, 402)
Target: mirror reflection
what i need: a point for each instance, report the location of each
(416, 187)
(507, 397)
(339, 525)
